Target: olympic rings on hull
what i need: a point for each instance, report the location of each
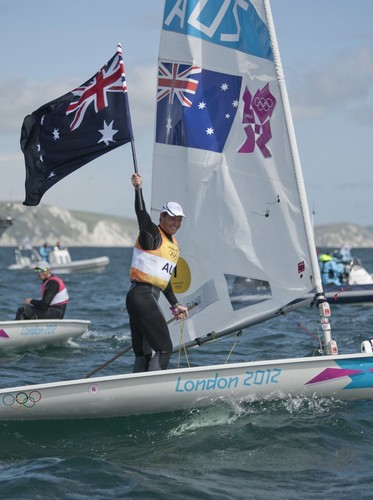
(22, 399)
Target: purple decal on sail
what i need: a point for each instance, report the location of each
(3, 334)
(256, 119)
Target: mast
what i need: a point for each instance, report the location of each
(124, 83)
(329, 346)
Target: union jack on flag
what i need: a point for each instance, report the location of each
(74, 129)
(108, 79)
(202, 115)
(174, 80)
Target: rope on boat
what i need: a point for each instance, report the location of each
(182, 345)
(302, 327)
(318, 350)
(109, 361)
(233, 347)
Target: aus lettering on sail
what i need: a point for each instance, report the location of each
(220, 23)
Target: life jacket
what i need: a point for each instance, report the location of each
(329, 272)
(61, 297)
(155, 266)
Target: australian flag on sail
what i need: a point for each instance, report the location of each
(65, 134)
(195, 107)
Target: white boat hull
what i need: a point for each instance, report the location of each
(350, 294)
(359, 276)
(88, 265)
(343, 377)
(344, 294)
(30, 334)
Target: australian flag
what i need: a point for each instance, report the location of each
(195, 107)
(65, 134)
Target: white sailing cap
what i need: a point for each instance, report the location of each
(173, 209)
(42, 264)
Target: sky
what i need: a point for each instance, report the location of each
(48, 48)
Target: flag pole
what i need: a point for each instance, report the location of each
(134, 157)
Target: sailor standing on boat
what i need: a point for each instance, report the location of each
(154, 258)
(54, 299)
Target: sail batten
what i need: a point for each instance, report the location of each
(223, 150)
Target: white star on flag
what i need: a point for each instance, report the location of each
(107, 133)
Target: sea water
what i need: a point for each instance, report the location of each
(297, 448)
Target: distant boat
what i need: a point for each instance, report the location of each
(60, 261)
(357, 290)
(342, 294)
(36, 333)
(357, 287)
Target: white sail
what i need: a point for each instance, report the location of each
(225, 150)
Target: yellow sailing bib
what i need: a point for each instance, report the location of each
(155, 266)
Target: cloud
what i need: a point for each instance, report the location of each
(10, 158)
(363, 185)
(142, 93)
(363, 114)
(345, 83)
(18, 99)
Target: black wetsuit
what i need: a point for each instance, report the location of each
(41, 309)
(149, 328)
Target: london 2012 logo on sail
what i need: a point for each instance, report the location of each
(256, 116)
